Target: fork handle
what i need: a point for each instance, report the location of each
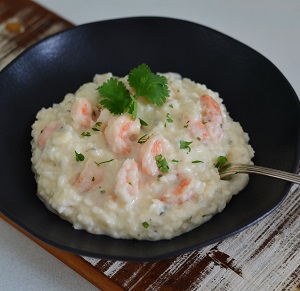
(291, 177)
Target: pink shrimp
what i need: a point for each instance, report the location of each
(119, 131)
(47, 132)
(181, 192)
(127, 182)
(83, 112)
(152, 147)
(211, 124)
(90, 176)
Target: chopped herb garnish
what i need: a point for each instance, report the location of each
(220, 161)
(86, 133)
(98, 164)
(117, 98)
(97, 124)
(175, 161)
(102, 191)
(185, 145)
(171, 105)
(162, 163)
(169, 119)
(145, 224)
(159, 176)
(93, 179)
(79, 157)
(187, 124)
(143, 138)
(143, 122)
(197, 161)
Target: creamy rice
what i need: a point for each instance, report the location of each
(119, 189)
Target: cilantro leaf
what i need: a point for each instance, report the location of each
(116, 97)
(132, 109)
(149, 85)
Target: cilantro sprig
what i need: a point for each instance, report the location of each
(117, 98)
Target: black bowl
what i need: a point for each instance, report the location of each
(254, 91)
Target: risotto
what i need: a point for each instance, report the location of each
(149, 178)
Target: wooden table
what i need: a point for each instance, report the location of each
(265, 256)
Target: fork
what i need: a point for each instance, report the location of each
(231, 169)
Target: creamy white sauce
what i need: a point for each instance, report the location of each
(118, 189)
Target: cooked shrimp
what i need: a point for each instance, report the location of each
(90, 176)
(47, 132)
(119, 131)
(127, 182)
(152, 147)
(211, 124)
(181, 192)
(83, 112)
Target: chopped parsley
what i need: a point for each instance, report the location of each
(79, 157)
(185, 145)
(95, 127)
(100, 163)
(102, 191)
(143, 122)
(117, 98)
(143, 138)
(145, 224)
(220, 161)
(187, 124)
(169, 119)
(197, 161)
(86, 133)
(162, 163)
(175, 161)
